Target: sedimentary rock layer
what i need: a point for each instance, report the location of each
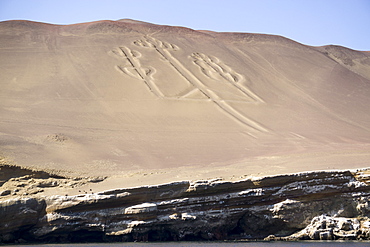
(312, 205)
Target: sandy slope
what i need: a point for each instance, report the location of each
(143, 103)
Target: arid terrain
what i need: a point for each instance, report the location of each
(128, 131)
(141, 104)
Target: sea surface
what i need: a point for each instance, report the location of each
(216, 244)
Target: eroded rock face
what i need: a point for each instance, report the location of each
(315, 205)
(18, 216)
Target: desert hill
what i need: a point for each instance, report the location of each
(144, 103)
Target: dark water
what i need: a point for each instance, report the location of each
(216, 244)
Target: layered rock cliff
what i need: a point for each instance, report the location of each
(311, 205)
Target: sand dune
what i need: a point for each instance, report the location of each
(144, 103)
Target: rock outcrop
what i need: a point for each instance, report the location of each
(20, 181)
(330, 228)
(314, 205)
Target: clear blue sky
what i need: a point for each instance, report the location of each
(311, 22)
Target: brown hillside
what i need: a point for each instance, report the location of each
(144, 103)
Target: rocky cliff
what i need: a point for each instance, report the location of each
(311, 205)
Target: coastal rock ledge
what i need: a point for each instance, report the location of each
(313, 205)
